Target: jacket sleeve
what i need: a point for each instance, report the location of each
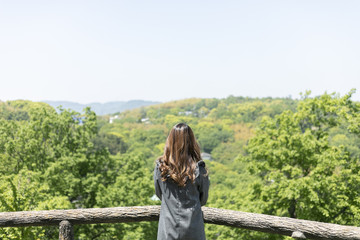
(156, 182)
(205, 183)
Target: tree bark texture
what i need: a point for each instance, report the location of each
(66, 231)
(253, 221)
(297, 228)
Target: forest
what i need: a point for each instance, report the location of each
(297, 158)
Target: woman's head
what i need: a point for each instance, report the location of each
(180, 155)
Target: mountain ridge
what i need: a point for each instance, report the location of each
(102, 108)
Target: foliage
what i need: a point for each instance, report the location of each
(49, 161)
(302, 161)
(303, 174)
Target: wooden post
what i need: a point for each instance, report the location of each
(66, 231)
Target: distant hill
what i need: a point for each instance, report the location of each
(102, 108)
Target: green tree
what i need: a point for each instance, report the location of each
(132, 186)
(210, 135)
(303, 175)
(26, 190)
(114, 143)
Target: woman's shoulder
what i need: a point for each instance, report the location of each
(157, 166)
(158, 162)
(201, 163)
(200, 168)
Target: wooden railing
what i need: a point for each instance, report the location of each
(296, 228)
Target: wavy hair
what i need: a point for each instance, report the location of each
(181, 154)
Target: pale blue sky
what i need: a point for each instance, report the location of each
(98, 51)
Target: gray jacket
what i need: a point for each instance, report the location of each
(180, 215)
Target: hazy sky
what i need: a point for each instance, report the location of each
(98, 51)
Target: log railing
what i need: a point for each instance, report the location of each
(296, 228)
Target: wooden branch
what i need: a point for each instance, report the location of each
(80, 216)
(258, 222)
(296, 228)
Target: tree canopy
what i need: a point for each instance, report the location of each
(304, 175)
(294, 158)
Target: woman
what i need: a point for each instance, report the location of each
(182, 184)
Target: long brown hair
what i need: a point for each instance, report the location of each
(181, 154)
